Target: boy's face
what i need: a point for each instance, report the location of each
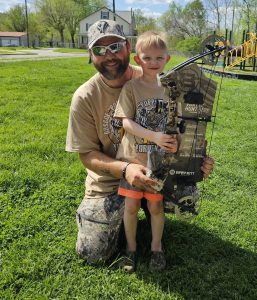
(152, 60)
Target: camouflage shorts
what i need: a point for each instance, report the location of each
(99, 221)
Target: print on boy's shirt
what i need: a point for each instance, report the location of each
(113, 127)
(150, 114)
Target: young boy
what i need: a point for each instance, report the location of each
(143, 107)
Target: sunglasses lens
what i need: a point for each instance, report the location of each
(116, 47)
(113, 48)
(99, 50)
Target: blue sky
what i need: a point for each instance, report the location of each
(153, 8)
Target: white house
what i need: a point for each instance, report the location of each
(14, 39)
(124, 18)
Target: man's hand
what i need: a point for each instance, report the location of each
(136, 176)
(207, 166)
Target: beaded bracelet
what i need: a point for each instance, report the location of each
(124, 170)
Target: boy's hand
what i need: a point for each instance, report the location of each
(167, 142)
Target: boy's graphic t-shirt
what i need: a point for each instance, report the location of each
(148, 107)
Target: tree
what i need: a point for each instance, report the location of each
(15, 20)
(228, 5)
(55, 13)
(170, 19)
(185, 22)
(194, 16)
(3, 20)
(215, 7)
(73, 19)
(189, 45)
(143, 23)
(37, 30)
(90, 6)
(249, 14)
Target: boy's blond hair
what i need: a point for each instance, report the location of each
(150, 39)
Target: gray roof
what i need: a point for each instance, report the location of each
(125, 14)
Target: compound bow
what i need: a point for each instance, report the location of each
(191, 96)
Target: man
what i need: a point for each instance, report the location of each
(95, 135)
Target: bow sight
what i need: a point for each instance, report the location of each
(191, 96)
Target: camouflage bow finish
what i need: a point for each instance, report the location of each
(191, 96)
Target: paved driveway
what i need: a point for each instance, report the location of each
(46, 53)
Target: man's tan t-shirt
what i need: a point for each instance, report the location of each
(92, 127)
(148, 107)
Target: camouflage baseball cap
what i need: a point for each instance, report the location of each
(104, 28)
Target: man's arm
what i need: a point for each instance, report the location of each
(102, 164)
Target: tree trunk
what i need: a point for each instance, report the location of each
(72, 40)
(62, 36)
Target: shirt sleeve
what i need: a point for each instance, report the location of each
(82, 134)
(125, 107)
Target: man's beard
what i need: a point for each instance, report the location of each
(116, 73)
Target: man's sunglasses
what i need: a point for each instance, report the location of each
(113, 48)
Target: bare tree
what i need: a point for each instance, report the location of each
(228, 7)
(214, 9)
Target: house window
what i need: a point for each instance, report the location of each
(87, 26)
(104, 15)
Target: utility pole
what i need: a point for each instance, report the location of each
(27, 22)
(113, 10)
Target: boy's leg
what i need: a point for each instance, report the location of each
(99, 221)
(157, 223)
(157, 261)
(146, 211)
(130, 222)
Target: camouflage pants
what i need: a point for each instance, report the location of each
(99, 221)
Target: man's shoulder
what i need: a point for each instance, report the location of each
(89, 85)
(84, 94)
(86, 91)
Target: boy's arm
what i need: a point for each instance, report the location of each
(165, 141)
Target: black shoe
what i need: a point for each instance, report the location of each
(128, 262)
(157, 261)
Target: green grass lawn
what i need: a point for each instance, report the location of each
(22, 50)
(13, 50)
(41, 186)
(67, 50)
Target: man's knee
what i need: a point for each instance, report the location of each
(92, 252)
(96, 241)
(99, 222)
